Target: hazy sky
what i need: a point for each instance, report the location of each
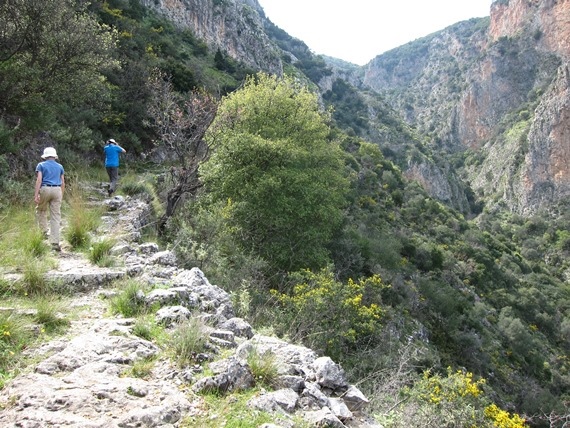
(358, 30)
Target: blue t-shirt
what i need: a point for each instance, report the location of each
(112, 155)
(51, 172)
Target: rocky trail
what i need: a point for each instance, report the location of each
(85, 378)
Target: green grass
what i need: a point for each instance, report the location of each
(188, 340)
(15, 336)
(100, 253)
(136, 185)
(142, 368)
(34, 281)
(36, 245)
(81, 219)
(146, 328)
(128, 302)
(233, 411)
(263, 368)
(49, 314)
(20, 237)
(30, 321)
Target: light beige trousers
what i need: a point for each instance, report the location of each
(50, 197)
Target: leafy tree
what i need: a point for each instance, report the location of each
(51, 53)
(281, 177)
(222, 62)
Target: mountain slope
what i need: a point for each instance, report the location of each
(470, 87)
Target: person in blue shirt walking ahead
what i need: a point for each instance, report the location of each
(50, 184)
(112, 152)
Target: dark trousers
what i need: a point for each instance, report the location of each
(113, 172)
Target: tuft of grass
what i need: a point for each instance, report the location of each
(100, 253)
(263, 368)
(35, 244)
(34, 281)
(188, 340)
(77, 236)
(48, 314)
(142, 368)
(82, 219)
(147, 328)
(135, 187)
(130, 301)
(15, 336)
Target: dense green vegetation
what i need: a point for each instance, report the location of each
(274, 174)
(314, 230)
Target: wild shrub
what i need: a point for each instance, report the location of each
(14, 193)
(457, 399)
(281, 180)
(201, 239)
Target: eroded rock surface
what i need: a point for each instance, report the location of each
(86, 379)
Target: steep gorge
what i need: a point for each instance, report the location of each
(466, 90)
(471, 87)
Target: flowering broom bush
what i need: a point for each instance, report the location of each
(330, 316)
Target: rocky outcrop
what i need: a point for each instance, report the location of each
(233, 26)
(501, 82)
(438, 183)
(87, 378)
(545, 174)
(548, 21)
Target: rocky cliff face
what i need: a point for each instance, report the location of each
(476, 84)
(233, 26)
(547, 20)
(538, 33)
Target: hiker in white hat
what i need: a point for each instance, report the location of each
(50, 185)
(112, 152)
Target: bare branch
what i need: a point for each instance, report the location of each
(181, 121)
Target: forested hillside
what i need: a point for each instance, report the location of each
(296, 198)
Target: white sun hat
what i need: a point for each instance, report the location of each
(49, 152)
